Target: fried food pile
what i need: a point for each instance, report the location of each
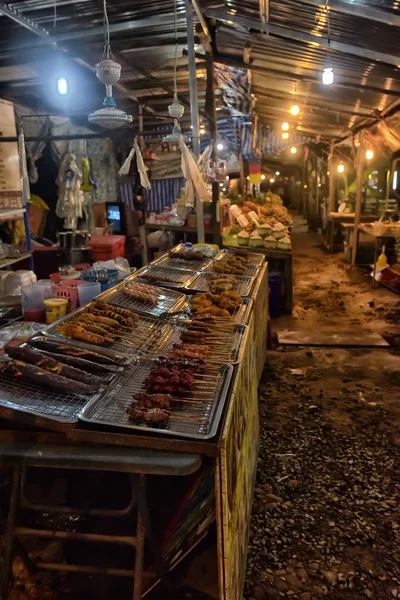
(100, 324)
(221, 283)
(217, 305)
(231, 265)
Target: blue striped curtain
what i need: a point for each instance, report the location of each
(163, 192)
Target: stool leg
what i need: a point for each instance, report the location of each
(10, 529)
(138, 486)
(140, 537)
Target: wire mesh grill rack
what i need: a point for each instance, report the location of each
(166, 277)
(147, 333)
(197, 417)
(169, 301)
(253, 258)
(240, 316)
(225, 344)
(242, 285)
(35, 400)
(181, 264)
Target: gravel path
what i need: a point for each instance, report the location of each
(326, 512)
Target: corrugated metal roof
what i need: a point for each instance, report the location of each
(283, 68)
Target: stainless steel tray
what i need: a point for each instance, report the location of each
(146, 335)
(180, 263)
(227, 349)
(47, 404)
(197, 420)
(121, 360)
(242, 287)
(253, 258)
(180, 278)
(169, 301)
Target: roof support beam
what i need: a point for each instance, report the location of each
(305, 38)
(290, 75)
(359, 10)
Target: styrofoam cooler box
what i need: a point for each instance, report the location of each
(105, 247)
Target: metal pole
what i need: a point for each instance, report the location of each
(194, 106)
(142, 229)
(331, 169)
(357, 216)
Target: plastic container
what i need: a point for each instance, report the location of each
(55, 308)
(47, 286)
(69, 291)
(87, 291)
(32, 301)
(105, 247)
(275, 287)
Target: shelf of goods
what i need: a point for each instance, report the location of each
(154, 368)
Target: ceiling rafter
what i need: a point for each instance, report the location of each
(299, 36)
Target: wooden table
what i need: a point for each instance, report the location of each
(233, 453)
(377, 232)
(336, 219)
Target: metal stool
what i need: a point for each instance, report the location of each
(137, 463)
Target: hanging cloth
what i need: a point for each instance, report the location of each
(70, 198)
(194, 181)
(124, 170)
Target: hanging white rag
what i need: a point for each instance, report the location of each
(204, 158)
(124, 170)
(194, 181)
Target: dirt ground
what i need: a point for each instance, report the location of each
(326, 519)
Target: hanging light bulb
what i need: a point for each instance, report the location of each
(285, 126)
(340, 168)
(277, 173)
(285, 135)
(294, 110)
(328, 76)
(220, 146)
(62, 86)
(272, 180)
(263, 177)
(293, 150)
(369, 155)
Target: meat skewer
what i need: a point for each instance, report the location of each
(139, 295)
(123, 312)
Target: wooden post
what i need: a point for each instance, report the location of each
(357, 216)
(332, 174)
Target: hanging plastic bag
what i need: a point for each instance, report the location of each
(124, 170)
(194, 181)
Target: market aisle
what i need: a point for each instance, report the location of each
(326, 518)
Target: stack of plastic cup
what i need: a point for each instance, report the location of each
(88, 291)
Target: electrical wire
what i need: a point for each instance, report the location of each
(55, 14)
(106, 26)
(176, 49)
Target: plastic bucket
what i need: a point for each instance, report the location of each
(87, 291)
(55, 308)
(275, 287)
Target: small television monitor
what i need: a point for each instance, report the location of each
(116, 216)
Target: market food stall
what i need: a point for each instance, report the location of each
(166, 362)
